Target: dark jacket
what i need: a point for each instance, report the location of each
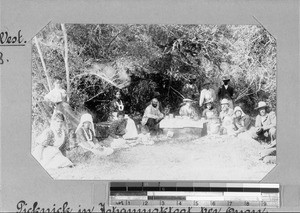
(117, 128)
(114, 107)
(226, 93)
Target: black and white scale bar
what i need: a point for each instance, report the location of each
(194, 194)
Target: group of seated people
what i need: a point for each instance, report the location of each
(234, 121)
(56, 142)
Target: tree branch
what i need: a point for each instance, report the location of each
(66, 61)
(114, 38)
(43, 62)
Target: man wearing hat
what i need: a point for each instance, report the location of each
(265, 123)
(226, 117)
(207, 93)
(187, 109)
(226, 91)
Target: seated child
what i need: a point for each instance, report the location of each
(211, 115)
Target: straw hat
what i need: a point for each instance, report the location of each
(224, 101)
(261, 104)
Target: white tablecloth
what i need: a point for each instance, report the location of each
(176, 123)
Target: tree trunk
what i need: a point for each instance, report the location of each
(66, 61)
(43, 62)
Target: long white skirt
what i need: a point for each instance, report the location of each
(131, 131)
(52, 158)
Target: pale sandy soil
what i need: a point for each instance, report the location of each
(206, 158)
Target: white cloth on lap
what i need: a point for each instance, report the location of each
(52, 158)
(97, 149)
(119, 143)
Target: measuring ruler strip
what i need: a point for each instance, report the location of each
(186, 203)
(195, 198)
(180, 193)
(194, 194)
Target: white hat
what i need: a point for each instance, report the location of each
(261, 104)
(224, 101)
(238, 108)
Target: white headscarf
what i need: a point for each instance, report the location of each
(84, 118)
(237, 108)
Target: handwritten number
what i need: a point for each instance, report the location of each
(212, 203)
(1, 58)
(196, 203)
(264, 203)
(229, 203)
(145, 203)
(162, 203)
(179, 203)
(246, 203)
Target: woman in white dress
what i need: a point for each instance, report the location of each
(53, 143)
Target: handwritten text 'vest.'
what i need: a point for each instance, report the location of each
(7, 39)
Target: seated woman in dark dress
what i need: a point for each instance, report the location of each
(116, 106)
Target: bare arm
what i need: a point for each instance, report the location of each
(201, 100)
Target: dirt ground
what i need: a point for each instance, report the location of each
(205, 158)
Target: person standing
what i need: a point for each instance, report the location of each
(58, 97)
(207, 94)
(190, 89)
(116, 106)
(226, 91)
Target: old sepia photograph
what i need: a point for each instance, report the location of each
(154, 102)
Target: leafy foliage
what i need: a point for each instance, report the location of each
(146, 61)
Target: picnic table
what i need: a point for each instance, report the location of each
(181, 125)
